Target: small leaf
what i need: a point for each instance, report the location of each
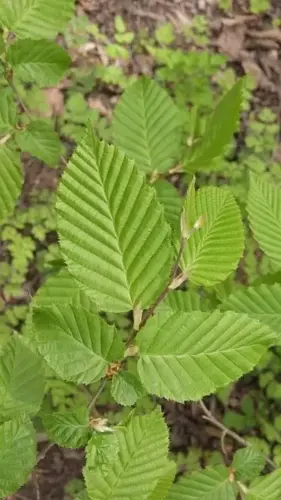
(185, 356)
(146, 125)
(171, 200)
(8, 111)
(211, 483)
(266, 487)
(69, 429)
(17, 454)
(264, 209)
(21, 379)
(126, 389)
(40, 140)
(76, 343)
(219, 129)
(165, 34)
(39, 61)
(247, 464)
(101, 451)
(119, 24)
(11, 180)
(188, 217)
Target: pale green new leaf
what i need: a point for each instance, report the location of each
(112, 230)
(261, 302)
(40, 140)
(8, 111)
(11, 180)
(185, 302)
(146, 125)
(219, 129)
(171, 200)
(76, 343)
(35, 18)
(17, 454)
(213, 251)
(39, 61)
(247, 464)
(264, 210)
(69, 429)
(188, 217)
(21, 379)
(163, 485)
(209, 484)
(185, 356)
(266, 487)
(126, 388)
(141, 461)
(101, 451)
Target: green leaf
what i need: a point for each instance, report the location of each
(139, 464)
(172, 202)
(266, 487)
(185, 302)
(69, 429)
(163, 485)
(189, 209)
(209, 484)
(21, 379)
(185, 356)
(101, 451)
(126, 388)
(8, 111)
(264, 210)
(76, 343)
(35, 18)
(17, 454)
(112, 230)
(40, 140)
(119, 24)
(247, 464)
(165, 34)
(11, 179)
(219, 129)
(146, 125)
(39, 61)
(213, 251)
(262, 302)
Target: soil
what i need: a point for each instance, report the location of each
(252, 45)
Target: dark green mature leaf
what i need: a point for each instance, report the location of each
(146, 125)
(171, 200)
(21, 380)
(69, 429)
(264, 209)
(11, 180)
(209, 484)
(17, 454)
(35, 18)
(40, 140)
(8, 111)
(126, 388)
(76, 343)
(219, 129)
(247, 464)
(112, 230)
(185, 356)
(213, 251)
(39, 61)
(266, 487)
(138, 464)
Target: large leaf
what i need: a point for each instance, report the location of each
(35, 18)
(185, 301)
(112, 230)
(11, 179)
(172, 202)
(262, 302)
(126, 388)
(8, 111)
(264, 209)
(266, 487)
(39, 61)
(70, 429)
(213, 251)
(21, 379)
(40, 140)
(17, 454)
(209, 484)
(219, 129)
(185, 356)
(140, 462)
(247, 464)
(76, 343)
(146, 126)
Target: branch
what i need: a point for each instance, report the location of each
(97, 395)
(211, 418)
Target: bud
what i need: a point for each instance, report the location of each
(99, 424)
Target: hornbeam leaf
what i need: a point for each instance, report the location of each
(266, 487)
(11, 180)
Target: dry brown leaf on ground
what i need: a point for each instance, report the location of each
(231, 40)
(55, 100)
(98, 103)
